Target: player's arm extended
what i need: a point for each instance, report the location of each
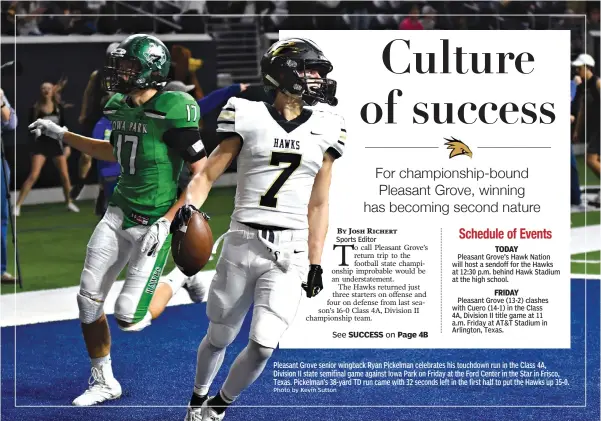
(98, 149)
(201, 183)
(319, 207)
(219, 161)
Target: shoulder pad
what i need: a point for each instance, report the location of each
(178, 108)
(169, 99)
(226, 122)
(114, 103)
(227, 115)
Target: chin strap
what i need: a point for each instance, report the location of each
(333, 101)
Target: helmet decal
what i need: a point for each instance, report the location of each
(155, 54)
(139, 62)
(284, 45)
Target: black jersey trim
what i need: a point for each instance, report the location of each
(260, 227)
(334, 153)
(288, 125)
(155, 112)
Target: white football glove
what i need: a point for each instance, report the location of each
(47, 128)
(155, 237)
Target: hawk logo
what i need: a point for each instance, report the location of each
(457, 147)
(155, 55)
(284, 45)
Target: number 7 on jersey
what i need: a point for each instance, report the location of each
(269, 199)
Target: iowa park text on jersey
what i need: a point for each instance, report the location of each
(151, 142)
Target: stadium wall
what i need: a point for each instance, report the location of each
(74, 57)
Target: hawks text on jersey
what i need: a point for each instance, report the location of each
(279, 159)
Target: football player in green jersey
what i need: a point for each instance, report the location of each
(153, 134)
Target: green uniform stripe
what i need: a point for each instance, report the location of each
(153, 281)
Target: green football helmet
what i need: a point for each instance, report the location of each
(139, 62)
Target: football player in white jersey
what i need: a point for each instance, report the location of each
(272, 252)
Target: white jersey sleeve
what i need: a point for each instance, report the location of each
(339, 142)
(226, 122)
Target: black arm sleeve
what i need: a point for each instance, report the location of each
(333, 152)
(187, 142)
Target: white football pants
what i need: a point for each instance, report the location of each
(110, 248)
(247, 272)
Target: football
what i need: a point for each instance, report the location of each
(192, 245)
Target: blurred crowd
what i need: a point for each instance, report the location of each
(127, 17)
(90, 17)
